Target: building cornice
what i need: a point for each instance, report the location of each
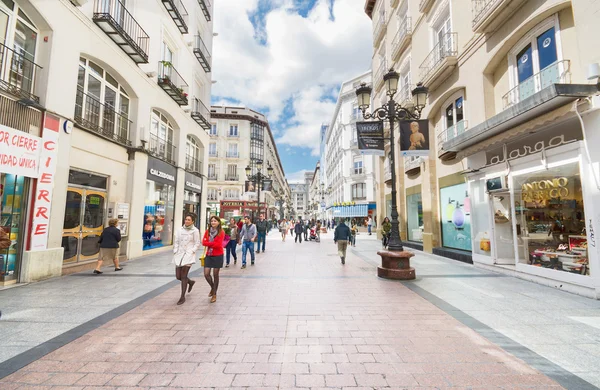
(369, 7)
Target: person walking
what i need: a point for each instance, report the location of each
(353, 231)
(261, 230)
(185, 246)
(369, 224)
(341, 237)
(318, 229)
(387, 228)
(109, 246)
(283, 228)
(248, 235)
(232, 244)
(298, 229)
(306, 229)
(213, 241)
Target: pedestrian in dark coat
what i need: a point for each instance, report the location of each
(299, 229)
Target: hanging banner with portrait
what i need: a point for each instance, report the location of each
(370, 138)
(250, 186)
(414, 138)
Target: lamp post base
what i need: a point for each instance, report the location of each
(396, 265)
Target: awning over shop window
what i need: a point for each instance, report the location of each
(359, 210)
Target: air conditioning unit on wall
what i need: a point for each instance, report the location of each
(79, 3)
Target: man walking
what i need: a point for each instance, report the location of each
(261, 229)
(369, 224)
(298, 229)
(341, 237)
(248, 235)
(306, 229)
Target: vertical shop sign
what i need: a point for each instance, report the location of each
(45, 183)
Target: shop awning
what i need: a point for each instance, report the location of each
(359, 210)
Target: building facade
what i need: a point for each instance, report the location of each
(512, 110)
(241, 137)
(300, 197)
(350, 176)
(114, 97)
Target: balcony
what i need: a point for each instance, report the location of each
(213, 176)
(232, 178)
(17, 75)
(402, 38)
(453, 131)
(201, 115)
(440, 62)
(193, 164)
(115, 20)
(557, 73)
(404, 95)
(378, 76)
(412, 165)
(101, 119)
(425, 5)
(162, 149)
(206, 8)
(233, 135)
(213, 153)
(488, 15)
(231, 154)
(211, 134)
(379, 28)
(178, 13)
(172, 83)
(357, 171)
(202, 54)
(387, 175)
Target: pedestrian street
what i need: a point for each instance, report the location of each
(297, 319)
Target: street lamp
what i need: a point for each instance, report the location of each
(258, 178)
(391, 111)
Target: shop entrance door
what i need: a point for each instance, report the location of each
(503, 235)
(84, 221)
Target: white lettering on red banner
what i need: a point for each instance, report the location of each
(19, 152)
(45, 183)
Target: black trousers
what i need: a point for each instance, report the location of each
(298, 236)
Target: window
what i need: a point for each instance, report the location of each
(231, 193)
(101, 102)
(213, 129)
(161, 136)
(167, 53)
(191, 148)
(212, 149)
(359, 191)
(454, 112)
(212, 194)
(232, 150)
(232, 172)
(233, 130)
(358, 166)
(442, 35)
(212, 171)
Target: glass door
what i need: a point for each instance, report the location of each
(503, 235)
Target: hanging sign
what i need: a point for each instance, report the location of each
(414, 138)
(19, 152)
(369, 136)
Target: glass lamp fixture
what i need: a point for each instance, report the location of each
(420, 96)
(391, 81)
(363, 93)
(248, 170)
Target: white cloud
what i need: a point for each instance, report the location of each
(296, 177)
(304, 59)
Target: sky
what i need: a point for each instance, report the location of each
(287, 60)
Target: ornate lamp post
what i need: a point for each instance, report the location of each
(395, 261)
(258, 178)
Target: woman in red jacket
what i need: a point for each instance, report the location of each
(213, 240)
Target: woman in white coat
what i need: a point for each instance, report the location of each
(186, 244)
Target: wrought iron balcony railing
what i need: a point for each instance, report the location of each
(213, 153)
(178, 13)
(412, 164)
(201, 114)
(402, 36)
(453, 131)
(380, 27)
(172, 83)
(446, 47)
(206, 9)
(381, 71)
(115, 20)
(213, 175)
(202, 53)
(192, 164)
(233, 135)
(232, 178)
(233, 154)
(557, 73)
(17, 74)
(101, 119)
(161, 148)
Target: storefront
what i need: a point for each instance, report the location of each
(192, 197)
(455, 216)
(414, 214)
(159, 207)
(13, 206)
(539, 214)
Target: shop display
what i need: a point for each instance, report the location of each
(158, 215)
(11, 204)
(456, 223)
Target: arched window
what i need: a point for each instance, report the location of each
(102, 104)
(18, 43)
(161, 137)
(192, 155)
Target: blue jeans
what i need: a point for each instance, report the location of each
(231, 250)
(261, 237)
(245, 246)
(369, 228)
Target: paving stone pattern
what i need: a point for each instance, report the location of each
(298, 319)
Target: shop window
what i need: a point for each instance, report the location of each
(86, 179)
(12, 202)
(158, 215)
(414, 214)
(550, 214)
(455, 210)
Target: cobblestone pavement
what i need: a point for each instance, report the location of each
(298, 319)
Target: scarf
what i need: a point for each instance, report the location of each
(212, 234)
(188, 227)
